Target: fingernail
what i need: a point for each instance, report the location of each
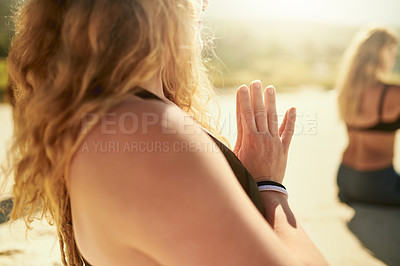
(244, 89)
(271, 90)
(257, 84)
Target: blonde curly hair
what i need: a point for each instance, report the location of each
(74, 57)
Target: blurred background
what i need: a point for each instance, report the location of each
(5, 36)
(289, 43)
(297, 46)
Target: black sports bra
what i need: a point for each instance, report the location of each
(380, 126)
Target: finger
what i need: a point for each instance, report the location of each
(270, 106)
(246, 112)
(289, 128)
(257, 103)
(238, 124)
(283, 125)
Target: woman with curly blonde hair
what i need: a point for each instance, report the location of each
(370, 107)
(113, 141)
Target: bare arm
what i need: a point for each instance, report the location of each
(392, 100)
(289, 230)
(263, 148)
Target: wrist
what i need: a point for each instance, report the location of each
(268, 178)
(274, 198)
(272, 186)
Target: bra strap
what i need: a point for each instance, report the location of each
(382, 100)
(144, 94)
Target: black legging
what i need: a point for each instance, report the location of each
(375, 187)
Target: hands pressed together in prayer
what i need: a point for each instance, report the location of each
(261, 146)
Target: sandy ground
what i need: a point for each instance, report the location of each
(359, 235)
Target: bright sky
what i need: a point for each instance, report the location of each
(347, 12)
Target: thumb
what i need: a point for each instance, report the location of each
(239, 137)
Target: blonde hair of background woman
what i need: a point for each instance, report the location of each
(361, 68)
(70, 58)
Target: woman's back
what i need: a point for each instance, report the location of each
(371, 111)
(152, 174)
(370, 144)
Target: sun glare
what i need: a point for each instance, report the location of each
(354, 12)
(293, 9)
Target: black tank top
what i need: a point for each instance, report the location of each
(243, 176)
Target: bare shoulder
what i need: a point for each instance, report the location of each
(137, 130)
(393, 102)
(139, 143)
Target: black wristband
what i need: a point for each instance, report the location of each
(270, 183)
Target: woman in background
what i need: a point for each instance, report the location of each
(113, 141)
(370, 107)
